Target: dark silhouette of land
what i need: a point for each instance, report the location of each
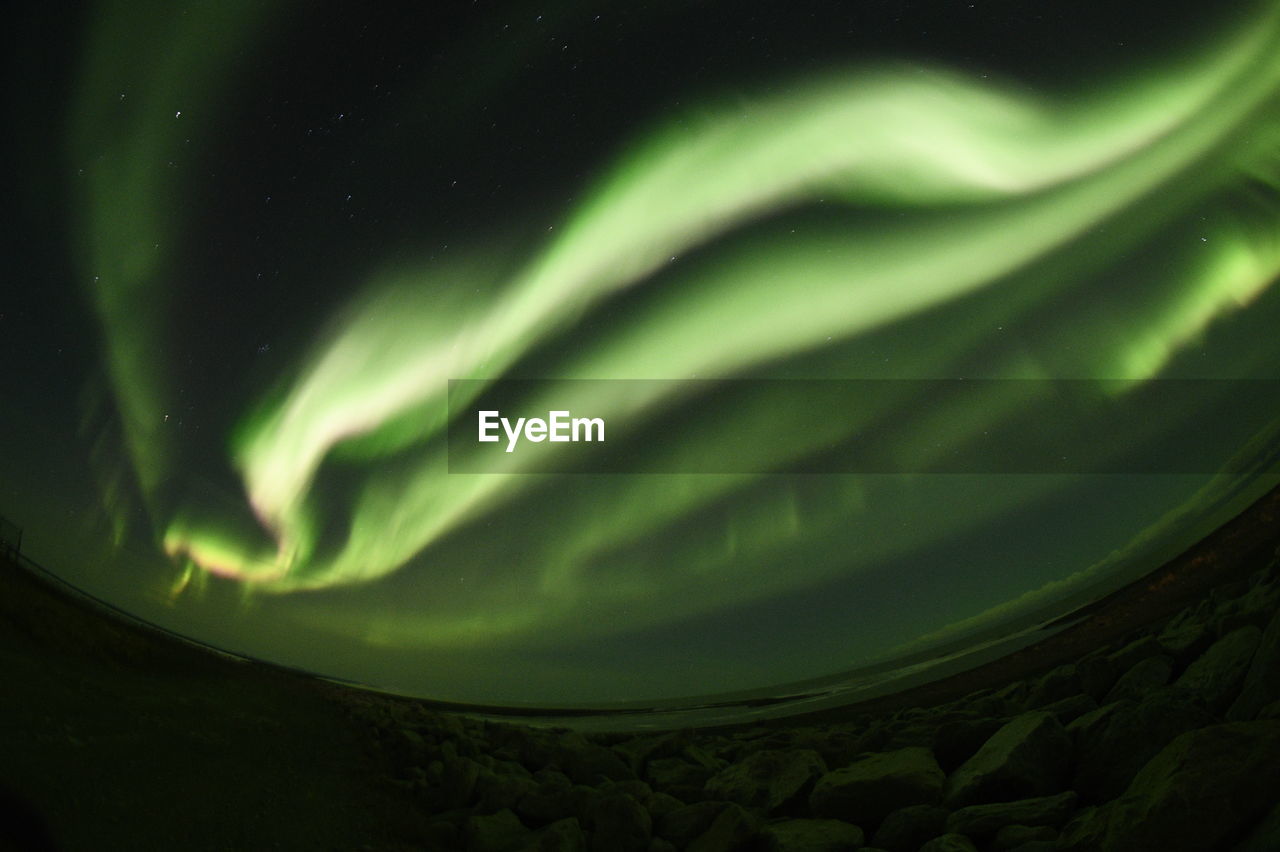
(120, 737)
(116, 734)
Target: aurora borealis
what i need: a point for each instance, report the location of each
(291, 239)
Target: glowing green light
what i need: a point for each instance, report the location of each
(995, 187)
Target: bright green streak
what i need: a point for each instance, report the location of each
(147, 87)
(997, 188)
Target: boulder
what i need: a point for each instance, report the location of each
(1142, 679)
(1109, 755)
(500, 832)
(548, 777)
(1186, 636)
(408, 747)
(637, 751)
(1216, 676)
(1069, 709)
(981, 821)
(1027, 757)
(442, 834)
(678, 777)
(618, 823)
(551, 802)
(906, 829)
(734, 830)
(1262, 683)
(812, 835)
(1265, 836)
(949, 843)
(1097, 676)
(1018, 836)
(958, 740)
(684, 824)
(911, 733)
(633, 787)
(660, 804)
(1088, 725)
(1257, 605)
(865, 792)
(768, 780)
(459, 776)
(564, 835)
(836, 747)
(1012, 698)
(589, 763)
(1062, 682)
(699, 756)
(1133, 653)
(494, 791)
(1203, 789)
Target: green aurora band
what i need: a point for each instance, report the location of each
(982, 189)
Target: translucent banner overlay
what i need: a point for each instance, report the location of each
(966, 426)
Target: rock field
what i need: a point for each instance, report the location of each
(1166, 740)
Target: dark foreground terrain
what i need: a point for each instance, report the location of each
(1153, 724)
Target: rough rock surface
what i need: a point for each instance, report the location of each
(867, 791)
(1134, 652)
(1194, 795)
(564, 835)
(768, 779)
(981, 821)
(1097, 676)
(906, 829)
(732, 830)
(1265, 837)
(1111, 754)
(1217, 675)
(618, 823)
(1145, 677)
(957, 740)
(1187, 635)
(1027, 757)
(1018, 836)
(1067, 710)
(684, 824)
(1062, 682)
(949, 843)
(497, 832)
(1262, 683)
(812, 835)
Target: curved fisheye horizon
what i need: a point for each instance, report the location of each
(292, 256)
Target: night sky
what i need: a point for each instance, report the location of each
(252, 243)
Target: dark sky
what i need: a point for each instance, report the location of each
(250, 242)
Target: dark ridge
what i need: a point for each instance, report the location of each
(120, 735)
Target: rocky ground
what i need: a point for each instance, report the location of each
(1164, 738)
